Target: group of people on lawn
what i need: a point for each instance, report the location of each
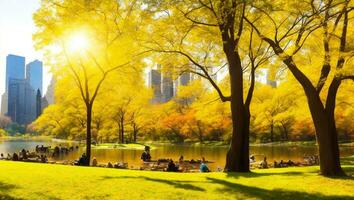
(264, 164)
(172, 166)
(146, 157)
(25, 155)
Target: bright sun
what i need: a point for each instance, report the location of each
(78, 42)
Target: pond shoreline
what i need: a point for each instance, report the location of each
(162, 167)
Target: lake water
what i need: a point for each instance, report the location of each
(132, 157)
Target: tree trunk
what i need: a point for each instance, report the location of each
(322, 116)
(200, 132)
(88, 133)
(286, 137)
(327, 142)
(326, 130)
(323, 119)
(271, 132)
(237, 159)
(135, 135)
(119, 135)
(122, 131)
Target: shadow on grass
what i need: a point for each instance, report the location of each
(175, 183)
(256, 174)
(5, 191)
(347, 160)
(254, 192)
(239, 190)
(46, 196)
(349, 170)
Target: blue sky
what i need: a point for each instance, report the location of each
(16, 29)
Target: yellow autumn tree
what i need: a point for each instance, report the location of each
(87, 43)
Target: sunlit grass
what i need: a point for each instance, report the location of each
(46, 181)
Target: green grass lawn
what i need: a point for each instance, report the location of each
(20, 180)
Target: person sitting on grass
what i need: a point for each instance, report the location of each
(94, 162)
(24, 154)
(204, 167)
(56, 151)
(290, 163)
(181, 159)
(2, 156)
(109, 165)
(276, 165)
(15, 157)
(44, 159)
(145, 156)
(171, 167)
(8, 157)
(264, 164)
(192, 161)
(82, 160)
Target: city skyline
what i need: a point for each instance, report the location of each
(23, 89)
(16, 20)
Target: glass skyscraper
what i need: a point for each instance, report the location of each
(15, 68)
(34, 74)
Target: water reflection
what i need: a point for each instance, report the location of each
(132, 157)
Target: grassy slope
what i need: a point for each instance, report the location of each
(45, 181)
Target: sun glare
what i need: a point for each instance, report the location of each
(78, 42)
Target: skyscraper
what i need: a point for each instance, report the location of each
(154, 82)
(15, 68)
(167, 87)
(21, 101)
(49, 95)
(17, 89)
(38, 103)
(4, 103)
(270, 78)
(185, 78)
(34, 74)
